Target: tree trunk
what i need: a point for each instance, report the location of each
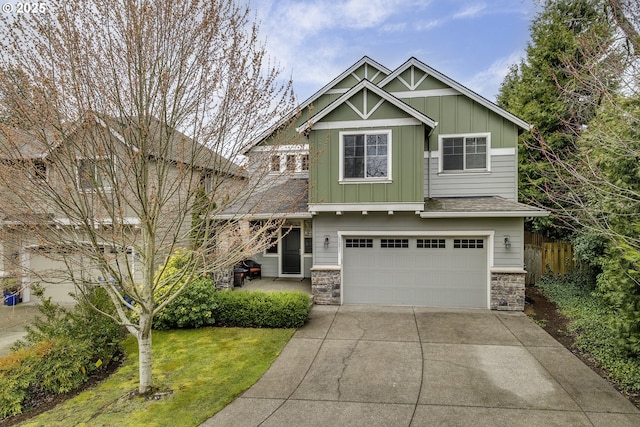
(144, 358)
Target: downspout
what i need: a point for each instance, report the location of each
(427, 133)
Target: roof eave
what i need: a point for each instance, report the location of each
(459, 87)
(366, 84)
(486, 214)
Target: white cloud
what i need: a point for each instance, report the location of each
(470, 11)
(487, 82)
(429, 25)
(394, 28)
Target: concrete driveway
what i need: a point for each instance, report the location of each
(409, 366)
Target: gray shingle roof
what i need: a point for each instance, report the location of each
(289, 198)
(478, 206)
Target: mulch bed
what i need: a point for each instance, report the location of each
(545, 311)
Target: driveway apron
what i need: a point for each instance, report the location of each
(357, 365)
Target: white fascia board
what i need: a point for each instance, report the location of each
(369, 207)
(329, 86)
(457, 86)
(325, 89)
(357, 124)
(494, 214)
(299, 215)
(425, 93)
(366, 84)
(290, 148)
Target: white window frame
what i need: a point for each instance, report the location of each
(464, 136)
(93, 189)
(385, 179)
(284, 165)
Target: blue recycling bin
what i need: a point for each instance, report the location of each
(10, 299)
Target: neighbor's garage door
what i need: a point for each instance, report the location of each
(50, 272)
(427, 271)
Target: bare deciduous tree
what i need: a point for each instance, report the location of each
(135, 101)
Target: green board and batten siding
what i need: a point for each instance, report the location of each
(407, 169)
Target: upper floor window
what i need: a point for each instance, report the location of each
(289, 162)
(275, 163)
(206, 181)
(464, 152)
(93, 175)
(365, 155)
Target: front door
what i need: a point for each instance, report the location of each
(291, 252)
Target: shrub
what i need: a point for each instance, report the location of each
(62, 347)
(594, 322)
(618, 284)
(14, 383)
(53, 366)
(262, 309)
(193, 308)
(82, 324)
(201, 305)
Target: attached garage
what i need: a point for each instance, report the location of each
(50, 272)
(437, 271)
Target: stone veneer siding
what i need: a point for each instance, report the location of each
(325, 285)
(507, 290)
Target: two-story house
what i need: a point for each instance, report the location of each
(406, 192)
(54, 187)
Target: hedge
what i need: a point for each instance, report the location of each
(200, 305)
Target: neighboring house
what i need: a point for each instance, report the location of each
(403, 191)
(77, 172)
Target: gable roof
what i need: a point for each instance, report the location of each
(365, 60)
(457, 86)
(366, 84)
(27, 145)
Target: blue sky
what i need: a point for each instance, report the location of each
(471, 41)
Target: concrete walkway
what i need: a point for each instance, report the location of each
(403, 366)
(13, 320)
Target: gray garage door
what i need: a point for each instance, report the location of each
(427, 271)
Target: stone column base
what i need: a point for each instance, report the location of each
(326, 285)
(507, 289)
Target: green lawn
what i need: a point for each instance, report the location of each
(204, 368)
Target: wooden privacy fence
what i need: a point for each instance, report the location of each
(541, 256)
(557, 257)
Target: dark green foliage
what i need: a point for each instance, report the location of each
(619, 284)
(594, 322)
(542, 91)
(262, 309)
(200, 305)
(80, 325)
(193, 308)
(62, 347)
(589, 248)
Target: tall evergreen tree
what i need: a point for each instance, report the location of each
(535, 90)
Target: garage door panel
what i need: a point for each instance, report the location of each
(413, 275)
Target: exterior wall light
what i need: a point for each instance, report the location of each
(326, 240)
(507, 242)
